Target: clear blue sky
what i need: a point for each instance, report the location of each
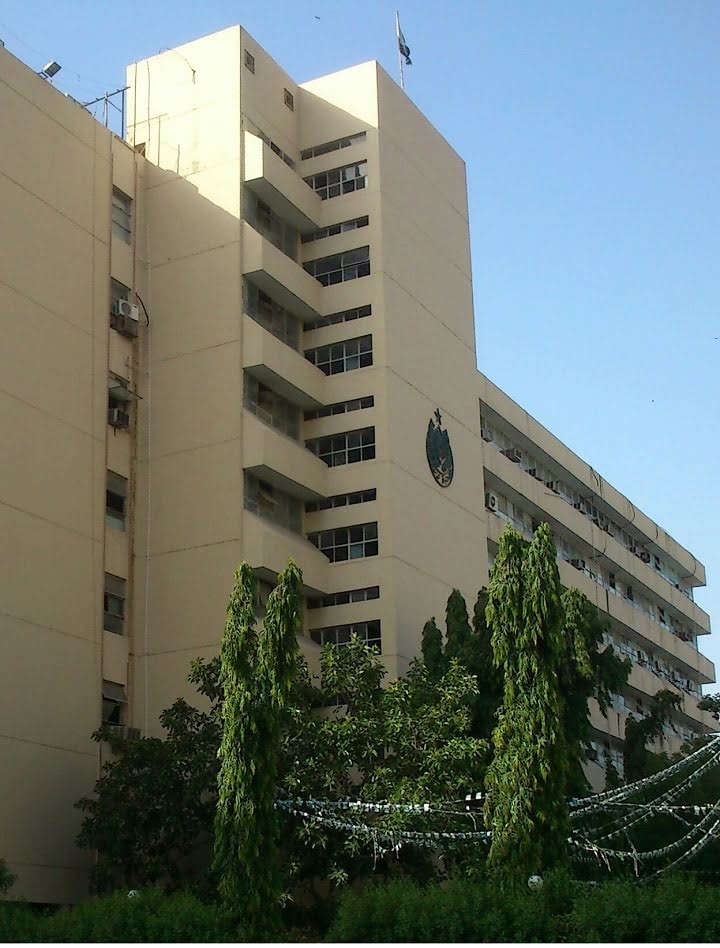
(591, 132)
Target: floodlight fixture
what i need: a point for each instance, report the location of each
(50, 69)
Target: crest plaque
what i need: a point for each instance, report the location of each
(438, 450)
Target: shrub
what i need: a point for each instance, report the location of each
(19, 923)
(458, 911)
(678, 908)
(7, 879)
(150, 916)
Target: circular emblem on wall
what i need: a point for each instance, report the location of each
(439, 452)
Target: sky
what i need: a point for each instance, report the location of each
(591, 134)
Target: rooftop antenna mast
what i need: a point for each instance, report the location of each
(107, 102)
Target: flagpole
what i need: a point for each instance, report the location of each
(400, 56)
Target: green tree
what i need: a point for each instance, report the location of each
(526, 783)
(481, 664)
(256, 676)
(457, 627)
(7, 879)
(589, 671)
(638, 760)
(710, 703)
(236, 842)
(153, 804)
(432, 650)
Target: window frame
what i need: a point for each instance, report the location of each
(324, 636)
(111, 512)
(121, 215)
(338, 181)
(344, 544)
(344, 447)
(346, 355)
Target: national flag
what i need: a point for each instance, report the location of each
(403, 46)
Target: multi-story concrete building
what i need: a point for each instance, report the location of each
(247, 334)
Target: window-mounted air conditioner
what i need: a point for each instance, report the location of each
(487, 434)
(553, 486)
(513, 454)
(124, 317)
(578, 563)
(118, 418)
(644, 555)
(123, 732)
(125, 308)
(491, 501)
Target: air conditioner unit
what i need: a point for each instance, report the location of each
(553, 485)
(513, 454)
(593, 754)
(487, 434)
(118, 418)
(125, 308)
(644, 556)
(578, 563)
(125, 325)
(124, 733)
(578, 505)
(491, 501)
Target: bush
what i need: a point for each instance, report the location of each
(19, 923)
(458, 911)
(679, 908)
(150, 916)
(7, 879)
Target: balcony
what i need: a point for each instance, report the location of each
(268, 548)
(561, 512)
(279, 186)
(279, 276)
(281, 368)
(286, 464)
(626, 615)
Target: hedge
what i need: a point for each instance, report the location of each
(677, 909)
(150, 916)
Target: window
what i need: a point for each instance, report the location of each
(342, 356)
(114, 703)
(273, 146)
(335, 229)
(339, 635)
(271, 315)
(118, 291)
(348, 447)
(342, 500)
(271, 503)
(249, 61)
(340, 408)
(345, 598)
(273, 228)
(347, 543)
(121, 207)
(119, 398)
(114, 604)
(346, 316)
(288, 99)
(340, 267)
(270, 407)
(335, 145)
(116, 490)
(330, 184)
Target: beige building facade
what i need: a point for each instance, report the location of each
(246, 333)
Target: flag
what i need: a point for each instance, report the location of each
(403, 46)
